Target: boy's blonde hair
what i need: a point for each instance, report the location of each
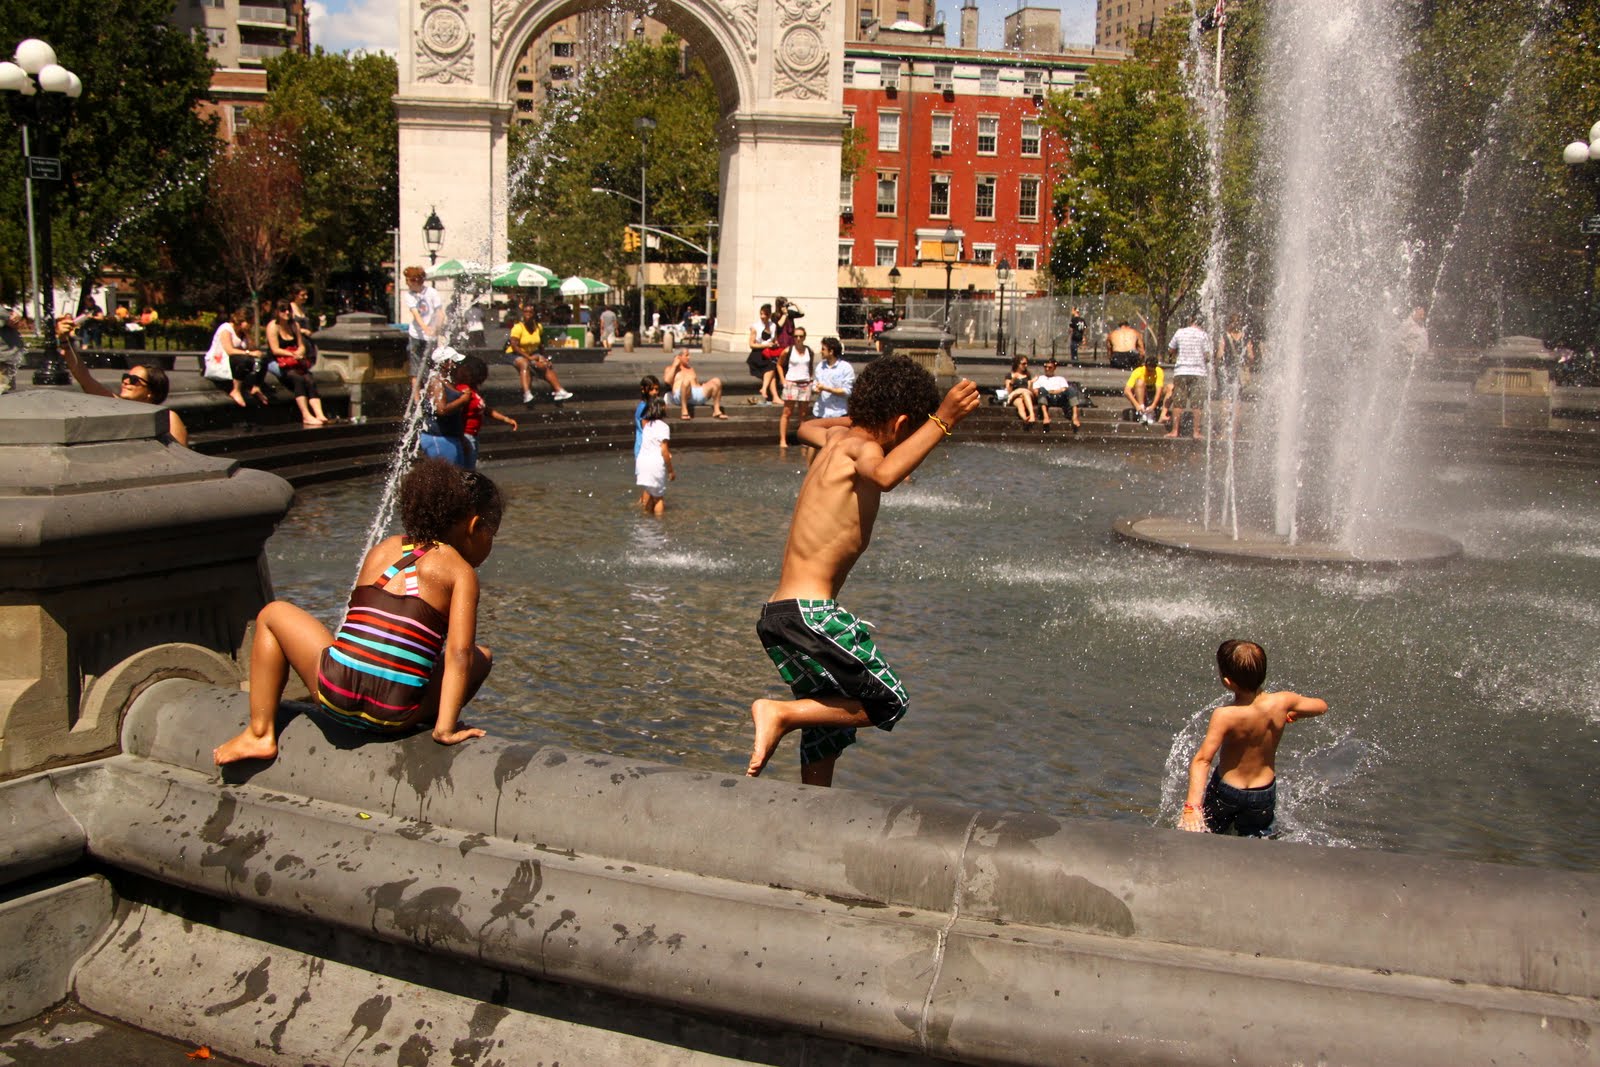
(1244, 663)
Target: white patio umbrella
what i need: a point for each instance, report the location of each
(576, 286)
(518, 275)
(456, 268)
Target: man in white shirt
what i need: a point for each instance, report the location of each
(1193, 348)
(1050, 389)
(1414, 333)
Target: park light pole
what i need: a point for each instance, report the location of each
(894, 292)
(950, 253)
(644, 124)
(1002, 274)
(1584, 158)
(433, 234)
(33, 68)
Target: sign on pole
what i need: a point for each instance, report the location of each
(1590, 225)
(44, 169)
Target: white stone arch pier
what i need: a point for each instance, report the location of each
(778, 69)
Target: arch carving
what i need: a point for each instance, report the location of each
(444, 42)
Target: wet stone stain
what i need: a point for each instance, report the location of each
(415, 1051)
(254, 982)
(472, 841)
(369, 1016)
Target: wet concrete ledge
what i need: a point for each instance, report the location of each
(905, 926)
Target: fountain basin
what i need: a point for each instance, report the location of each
(1398, 548)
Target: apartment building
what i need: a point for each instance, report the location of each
(1121, 23)
(555, 59)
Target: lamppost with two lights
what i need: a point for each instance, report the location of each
(34, 68)
(1576, 155)
(644, 124)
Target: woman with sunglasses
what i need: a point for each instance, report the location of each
(143, 382)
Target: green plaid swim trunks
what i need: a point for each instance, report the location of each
(821, 650)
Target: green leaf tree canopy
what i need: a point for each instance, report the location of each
(588, 139)
(346, 142)
(134, 148)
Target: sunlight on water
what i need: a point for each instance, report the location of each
(1051, 667)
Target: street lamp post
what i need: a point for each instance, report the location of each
(644, 124)
(1002, 273)
(1576, 155)
(33, 68)
(950, 253)
(894, 292)
(433, 234)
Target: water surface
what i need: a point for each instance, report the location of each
(1051, 667)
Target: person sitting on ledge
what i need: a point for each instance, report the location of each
(405, 653)
(1147, 390)
(825, 654)
(145, 383)
(1242, 792)
(685, 390)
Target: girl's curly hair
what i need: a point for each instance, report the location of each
(890, 386)
(435, 496)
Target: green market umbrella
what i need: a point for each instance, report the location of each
(576, 286)
(516, 275)
(455, 268)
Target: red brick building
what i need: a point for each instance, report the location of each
(954, 139)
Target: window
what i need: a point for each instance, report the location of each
(888, 131)
(1028, 199)
(847, 195)
(944, 77)
(985, 203)
(888, 192)
(560, 74)
(983, 255)
(525, 105)
(241, 119)
(849, 72)
(989, 80)
(891, 74)
(846, 252)
(216, 35)
(885, 253)
(941, 132)
(1033, 82)
(525, 85)
(561, 49)
(1027, 257)
(939, 196)
(988, 134)
(1030, 137)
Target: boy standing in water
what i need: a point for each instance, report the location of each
(823, 652)
(1242, 792)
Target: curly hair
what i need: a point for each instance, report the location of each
(474, 371)
(891, 386)
(435, 496)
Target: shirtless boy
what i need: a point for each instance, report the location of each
(824, 653)
(1242, 792)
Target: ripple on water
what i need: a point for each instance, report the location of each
(1050, 665)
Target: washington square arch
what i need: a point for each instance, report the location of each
(778, 70)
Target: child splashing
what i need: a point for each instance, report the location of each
(406, 651)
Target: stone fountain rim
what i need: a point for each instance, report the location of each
(1190, 538)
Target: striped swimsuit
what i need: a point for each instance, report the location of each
(374, 674)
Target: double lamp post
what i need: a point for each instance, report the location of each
(1584, 158)
(31, 71)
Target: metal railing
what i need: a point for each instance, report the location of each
(256, 13)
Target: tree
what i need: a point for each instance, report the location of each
(1133, 200)
(587, 140)
(255, 204)
(346, 147)
(134, 148)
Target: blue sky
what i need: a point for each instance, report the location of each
(341, 25)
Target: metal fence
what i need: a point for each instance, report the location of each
(1034, 325)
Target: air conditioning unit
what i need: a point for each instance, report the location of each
(944, 85)
(938, 153)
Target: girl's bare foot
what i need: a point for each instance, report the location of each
(246, 746)
(237, 398)
(768, 717)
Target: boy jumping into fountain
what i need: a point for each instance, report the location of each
(1242, 792)
(823, 652)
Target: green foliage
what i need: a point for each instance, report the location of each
(588, 139)
(134, 149)
(346, 150)
(1133, 200)
(852, 151)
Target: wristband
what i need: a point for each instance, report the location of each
(945, 426)
(1190, 807)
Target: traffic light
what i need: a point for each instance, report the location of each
(630, 239)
